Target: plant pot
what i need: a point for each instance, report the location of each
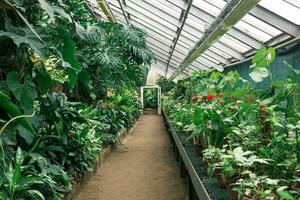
(234, 195)
(222, 182)
(218, 171)
(199, 149)
(205, 162)
(204, 144)
(57, 88)
(246, 198)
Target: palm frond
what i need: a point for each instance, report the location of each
(92, 35)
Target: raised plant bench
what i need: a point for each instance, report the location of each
(201, 186)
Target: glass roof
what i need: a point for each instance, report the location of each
(175, 28)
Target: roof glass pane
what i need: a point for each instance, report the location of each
(196, 23)
(238, 46)
(182, 50)
(252, 31)
(202, 14)
(158, 48)
(143, 10)
(192, 30)
(220, 52)
(206, 61)
(182, 41)
(218, 3)
(200, 65)
(178, 3)
(179, 54)
(228, 50)
(261, 25)
(160, 6)
(294, 3)
(158, 42)
(242, 45)
(149, 26)
(211, 9)
(188, 38)
(210, 58)
(285, 9)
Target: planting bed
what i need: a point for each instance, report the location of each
(201, 186)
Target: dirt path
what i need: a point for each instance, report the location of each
(148, 171)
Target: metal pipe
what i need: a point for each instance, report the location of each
(234, 11)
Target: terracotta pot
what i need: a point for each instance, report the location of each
(57, 88)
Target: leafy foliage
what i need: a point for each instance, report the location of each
(54, 56)
(248, 136)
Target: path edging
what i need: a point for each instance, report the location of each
(103, 155)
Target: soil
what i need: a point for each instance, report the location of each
(146, 171)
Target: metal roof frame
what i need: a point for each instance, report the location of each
(231, 14)
(184, 14)
(179, 29)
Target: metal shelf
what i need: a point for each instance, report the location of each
(198, 186)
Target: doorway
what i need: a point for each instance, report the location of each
(158, 95)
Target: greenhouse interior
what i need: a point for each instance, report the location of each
(149, 99)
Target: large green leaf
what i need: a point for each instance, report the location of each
(13, 110)
(25, 134)
(86, 81)
(284, 194)
(53, 11)
(47, 8)
(258, 74)
(35, 194)
(43, 79)
(69, 55)
(264, 57)
(19, 156)
(24, 92)
(25, 36)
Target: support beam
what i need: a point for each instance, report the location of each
(234, 32)
(182, 20)
(107, 11)
(276, 21)
(230, 15)
(123, 10)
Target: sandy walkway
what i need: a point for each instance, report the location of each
(148, 171)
